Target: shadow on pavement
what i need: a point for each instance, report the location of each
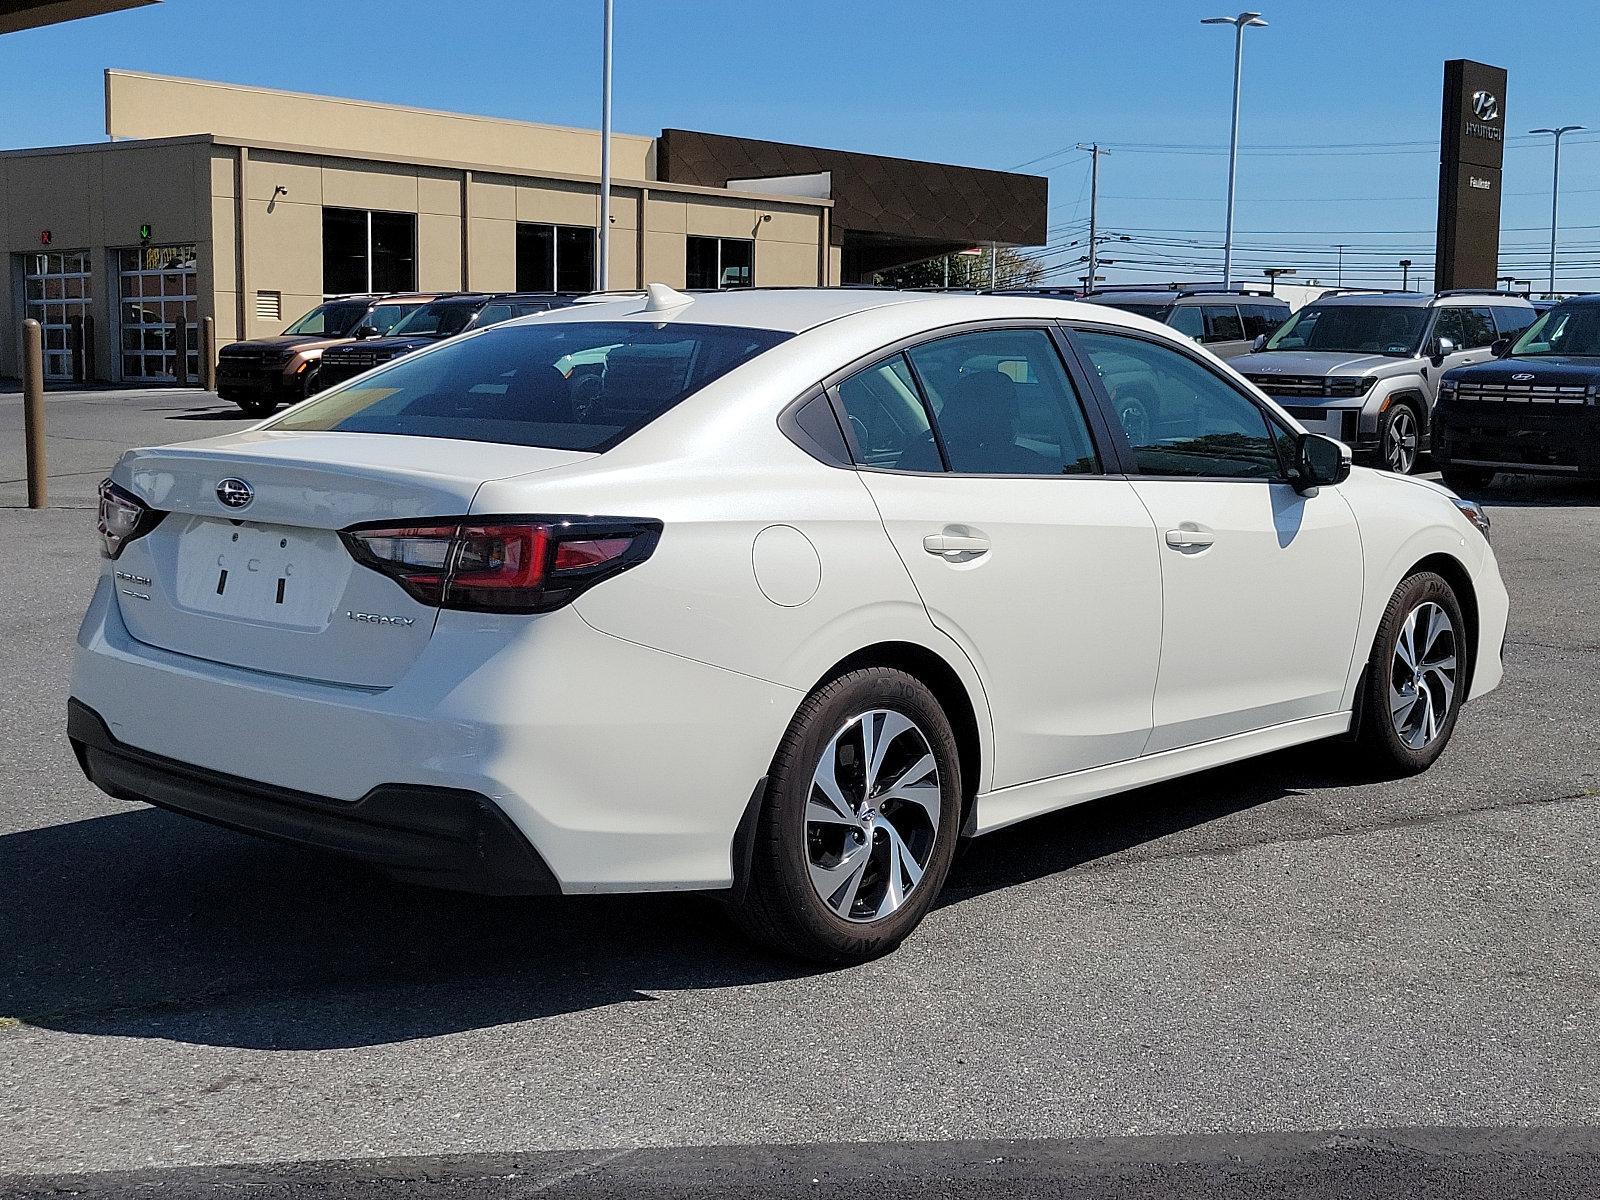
(1536, 491)
(145, 924)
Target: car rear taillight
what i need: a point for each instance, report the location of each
(123, 517)
(502, 564)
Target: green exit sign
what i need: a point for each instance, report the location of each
(144, 233)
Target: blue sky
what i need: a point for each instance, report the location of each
(1340, 125)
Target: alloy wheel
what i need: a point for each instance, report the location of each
(1400, 453)
(1423, 675)
(872, 817)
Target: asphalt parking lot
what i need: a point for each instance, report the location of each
(1278, 947)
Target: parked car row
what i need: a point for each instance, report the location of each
(343, 337)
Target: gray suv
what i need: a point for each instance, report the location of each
(1225, 321)
(1364, 367)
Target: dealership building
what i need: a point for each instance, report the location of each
(251, 206)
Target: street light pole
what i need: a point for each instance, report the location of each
(1240, 23)
(1555, 197)
(604, 279)
(1340, 248)
(1405, 274)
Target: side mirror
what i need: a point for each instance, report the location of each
(1442, 348)
(1320, 461)
(1500, 347)
(365, 331)
(1260, 344)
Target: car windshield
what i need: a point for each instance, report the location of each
(437, 320)
(1353, 329)
(1573, 330)
(571, 385)
(334, 319)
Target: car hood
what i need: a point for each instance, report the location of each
(1535, 369)
(283, 341)
(385, 345)
(1311, 362)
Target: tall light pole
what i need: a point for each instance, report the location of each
(1405, 274)
(1555, 197)
(604, 279)
(1339, 246)
(1240, 23)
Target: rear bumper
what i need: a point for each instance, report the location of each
(624, 768)
(441, 837)
(1538, 439)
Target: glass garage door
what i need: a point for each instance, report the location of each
(56, 287)
(156, 288)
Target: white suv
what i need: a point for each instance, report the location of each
(778, 593)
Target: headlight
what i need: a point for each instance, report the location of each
(1473, 511)
(1341, 386)
(1447, 387)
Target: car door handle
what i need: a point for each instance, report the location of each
(1189, 539)
(956, 545)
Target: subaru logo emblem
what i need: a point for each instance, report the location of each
(1485, 106)
(1522, 377)
(235, 493)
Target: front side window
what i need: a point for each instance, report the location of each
(1478, 327)
(571, 385)
(1186, 319)
(366, 251)
(1222, 323)
(1390, 329)
(1260, 319)
(1179, 417)
(1004, 404)
(715, 263)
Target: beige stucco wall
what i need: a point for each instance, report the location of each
(140, 105)
(95, 198)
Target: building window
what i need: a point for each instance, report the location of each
(368, 251)
(58, 295)
(720, 262)
(157, 290)
(555, 258)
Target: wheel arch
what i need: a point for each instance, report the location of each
(1454, 572)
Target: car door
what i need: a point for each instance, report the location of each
(1261, 586)
(1472, 332)
(978, 452)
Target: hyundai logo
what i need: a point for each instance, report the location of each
(1485, 106)
(1522, 377)
(235, 493)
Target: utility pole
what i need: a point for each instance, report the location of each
(1555, 198)
(1095, 152)
(605, 158)
(1340, 248)
(1240, 23)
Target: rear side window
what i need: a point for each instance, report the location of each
(1261, 319)
(888, 421)
(1478, 326)
(1222, 323)
(561, 385)
(1514, 322)
(1186, 319)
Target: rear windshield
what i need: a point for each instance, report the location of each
(561, 385)
(334, 319)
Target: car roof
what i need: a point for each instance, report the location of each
(1421, 299)
(1166, 296)
(788, 310)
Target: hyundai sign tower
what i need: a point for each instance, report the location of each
(1472, 142)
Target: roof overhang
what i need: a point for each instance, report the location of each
(31, 14)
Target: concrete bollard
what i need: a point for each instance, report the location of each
(180, 368)
(33, 410)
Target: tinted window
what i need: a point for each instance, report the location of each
(1479, 325)
(1179, 417)
(565, 385)
(1004, 404)
(384, 317)
(438, 318)
(368, 251)
(1513, 321)
(492, 314)
(1222, 323)
(1353, 329)
(1186, 319)
(888, 422)
(336, 319)
(1570, 329)
(1261, 319)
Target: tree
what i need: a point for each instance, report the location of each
(1014, 268)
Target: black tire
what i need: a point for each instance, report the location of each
(1467, 479)
(257, 407)
(1400, 438)
(779, 906)
(1384, 684)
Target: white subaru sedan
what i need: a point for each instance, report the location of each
(775, 593)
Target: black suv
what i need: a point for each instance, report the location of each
(1225, 321)
(443, 318)
(1534, 408)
